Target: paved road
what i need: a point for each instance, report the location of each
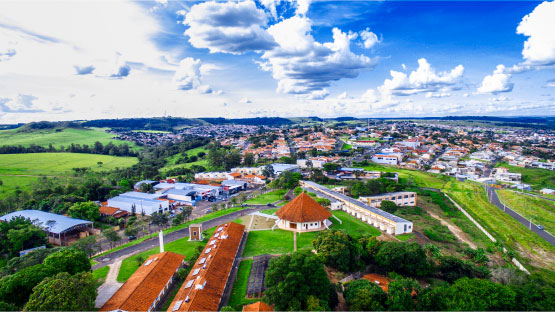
(153, 242)
(494, 199)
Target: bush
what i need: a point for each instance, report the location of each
(404, 258)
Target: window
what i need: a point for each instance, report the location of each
(195, 272)
(194, 233)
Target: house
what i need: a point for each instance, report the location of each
(140, 203)
(108, 211)
(547, 191)
(303, 214)
(209, 278)
(503, 175)
(144, 290)
(399, 198)
(61, 230)
(387, 158)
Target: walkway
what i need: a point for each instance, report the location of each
(110, 286)
(494, 199)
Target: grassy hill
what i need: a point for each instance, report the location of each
(21, 170)
(171, 161)
(57, 137)
(537, 178)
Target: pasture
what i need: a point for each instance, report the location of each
(58, 137)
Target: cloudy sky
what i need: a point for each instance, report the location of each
(76, 59)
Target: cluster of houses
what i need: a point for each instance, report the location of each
(315, 140)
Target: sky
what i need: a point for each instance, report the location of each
(79, 59)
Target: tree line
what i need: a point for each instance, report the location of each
(96, 148)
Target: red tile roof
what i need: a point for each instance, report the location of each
(380, 280)
(257, 307)
(143, 287)
(205, 284)
(303, 209)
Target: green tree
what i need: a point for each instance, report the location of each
(16, 288)
(339, 250)
(363, 295)
(146, 188)
(268, 171)
(64, 292)
(88, 245)
(131, 230)
(159, 219)
(85, 210)
(331, 167)
(388, 206)
(111, 235)
(404, 258)
(291, 279)
(248, 160)
(69, 260)
(402, 294)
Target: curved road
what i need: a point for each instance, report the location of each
(494, 199)
(153, 242)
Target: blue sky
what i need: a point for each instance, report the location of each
(90, 59)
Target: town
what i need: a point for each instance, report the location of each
(213, 224)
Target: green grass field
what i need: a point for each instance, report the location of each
(171, 161)
(346, 147)
(22, 170)
(268, 242)
(99, 275)
(352, 225)
(57, 138)
(422, 179)
(181, 246)
(267, 198)
(542, 211)
(537, 178)
(532, 249)
(237, 298)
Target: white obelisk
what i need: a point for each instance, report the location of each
(161, 237)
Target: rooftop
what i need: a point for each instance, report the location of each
(143, 287)
(52, 222)
(257, 306)
(303, 209)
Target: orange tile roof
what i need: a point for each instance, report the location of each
(303, 209)
(205, 284)
(235, 174)
(257, 307)
(105, 210)
(143, 287)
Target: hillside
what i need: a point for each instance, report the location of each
(57, 136)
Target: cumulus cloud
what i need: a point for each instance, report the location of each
(437, 94)
(122, 70)
(188, 76)
(423, 79)
(228, 27)
(23, 103)
(539, 48)
(369, 39)
(84, 70)
(497, 82)
(245, 101)
(302, 65)
(500, 98)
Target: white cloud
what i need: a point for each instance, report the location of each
(302, 65)
(228, 27)
(369, 39)
(23, 103)
(497, 82)
(423, 79)
(539, 48)
(245, 101)
(550, 83)
(500, 98)
(188, 76)
(437, 95)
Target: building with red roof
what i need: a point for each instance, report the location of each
(303, 214)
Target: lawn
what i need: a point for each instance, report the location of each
(21, 170)
(422, 179)
(181, 246)
(405, 237)
(537, 178)
(542, 211)
(346, 147)
(268, 242)
(99, 275)
(57, 138)
(532, 249)
(267, 198)
(352, 225)
(237, 298)
(59, 163)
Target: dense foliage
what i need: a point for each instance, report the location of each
(337, 249)
(404, 258)
(97, 148)
(19, 234)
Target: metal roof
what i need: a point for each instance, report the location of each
(61, 223)
(353, 201)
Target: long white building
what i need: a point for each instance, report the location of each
(383, 220)
(399, 198)
(140, 202)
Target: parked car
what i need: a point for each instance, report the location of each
(132, 237)
(540, 227)
(270, 205)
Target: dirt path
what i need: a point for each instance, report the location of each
(111, 284)
(454, 229)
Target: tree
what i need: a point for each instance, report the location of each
(331, 167)
(403, 258)
(85, 210)
(388, 206)
(111, 235)
(159, 219)
(146, 188)
(69, 260)
(268, 171)
(227, 308)
(248, 160)
(339, 250)
(402, 294)
(140, 259)
(452, 268)
(16, 288)
(363, 295)
(131, 230)
(309, 164)
(88, 245)
(64, 292)
(291, 279)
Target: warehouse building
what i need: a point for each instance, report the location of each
(380, 219)
(140, 202)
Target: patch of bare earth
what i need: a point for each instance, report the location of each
(459, 234)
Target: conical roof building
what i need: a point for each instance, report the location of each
(303, 214)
